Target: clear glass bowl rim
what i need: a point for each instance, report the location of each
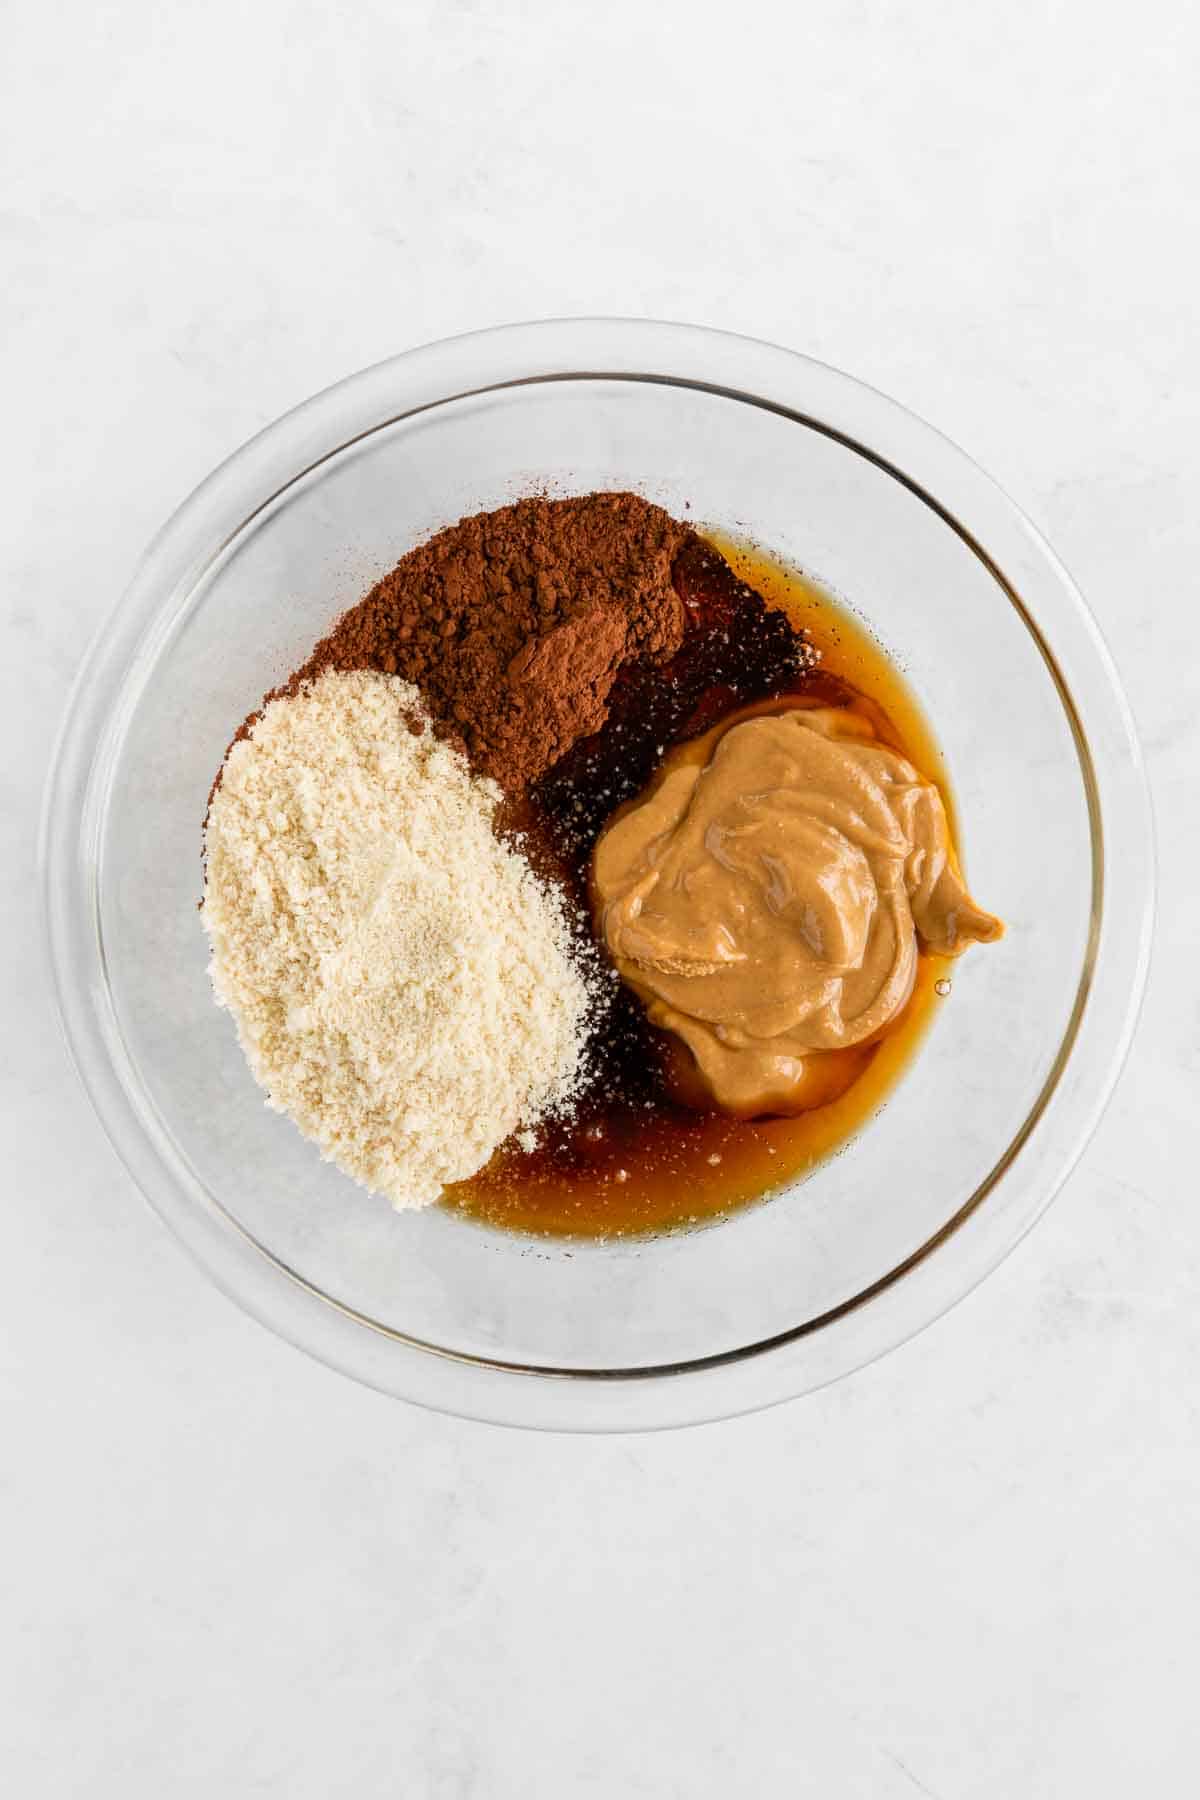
(936, 472)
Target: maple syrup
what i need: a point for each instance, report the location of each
(631, 1160)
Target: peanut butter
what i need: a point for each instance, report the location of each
(765, 895)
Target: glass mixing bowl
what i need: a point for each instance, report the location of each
(829, 476)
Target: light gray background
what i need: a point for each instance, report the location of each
(971, 1572)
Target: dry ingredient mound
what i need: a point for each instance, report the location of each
(403, 985)
(515, 623)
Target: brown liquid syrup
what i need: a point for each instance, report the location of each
(630, 1160)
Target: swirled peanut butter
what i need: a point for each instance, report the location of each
(764, 898)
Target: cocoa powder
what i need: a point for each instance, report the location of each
(514, 624)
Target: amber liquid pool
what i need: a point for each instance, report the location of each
(632, 1161)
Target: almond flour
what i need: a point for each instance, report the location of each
(403, 985)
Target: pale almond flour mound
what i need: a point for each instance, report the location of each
(402, 983)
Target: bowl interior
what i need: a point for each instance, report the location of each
(251, 613)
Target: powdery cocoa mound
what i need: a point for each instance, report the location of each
(514, 624)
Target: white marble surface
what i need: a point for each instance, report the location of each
(971, 1572)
